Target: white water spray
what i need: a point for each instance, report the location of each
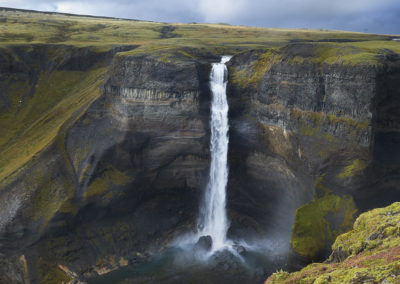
(214, 221)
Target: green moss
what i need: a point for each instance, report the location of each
(320, 188)
(51, 195)
(352, 169)
(250, 77)
(35, 123)
(370, 253)
(49, 273)
(315, 124)
(348, 122)
(312, 230)
(68, 207)
(310, 131)
(111, 177)
(381, 221)
(353, 53)
(343, 54)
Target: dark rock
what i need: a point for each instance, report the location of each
(259, 272)
(239, 249)
(297, 128)
(373, 236)
(204, 243)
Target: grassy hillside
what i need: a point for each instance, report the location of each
(35, 102)
(29, 27)
(370, 253)
(32, 123)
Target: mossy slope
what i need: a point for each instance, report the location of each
(314, 228)
(40, 100)
(370, 253)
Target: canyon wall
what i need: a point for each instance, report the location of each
(315, 133)
(122, 176)
(311, 145)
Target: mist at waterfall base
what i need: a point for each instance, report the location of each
(207, 255)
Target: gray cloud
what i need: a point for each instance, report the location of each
(377, 16)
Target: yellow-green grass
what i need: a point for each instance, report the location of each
(34, 122)
(352, 169)
(312, 230)
(29, 27)
(50, 273)
(251, 76)
(354, 53)
(42, 28)
(109, 178)
(370, 253)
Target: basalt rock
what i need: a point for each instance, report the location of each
(125, 171)
(304, 134)
(122, 177)
(204, 243)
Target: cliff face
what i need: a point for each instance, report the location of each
(121, 176)
(314, 133)
(115, 163)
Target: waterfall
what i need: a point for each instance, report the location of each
(214, 221)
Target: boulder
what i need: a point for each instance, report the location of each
(204, 243)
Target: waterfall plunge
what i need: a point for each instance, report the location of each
(213, 221)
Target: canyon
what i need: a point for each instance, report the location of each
(106, 150)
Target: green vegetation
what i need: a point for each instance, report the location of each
(354, 53)
(50, 196)
(370, 253)
(29, 27)
(353, 168)
(51, 274)
(348, 122)
(312, 229)
(109, 178)
(34, 121)
(257, 69)
(318, 124)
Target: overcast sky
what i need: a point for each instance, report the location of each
(375, 16)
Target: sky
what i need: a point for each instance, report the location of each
(373, 16)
